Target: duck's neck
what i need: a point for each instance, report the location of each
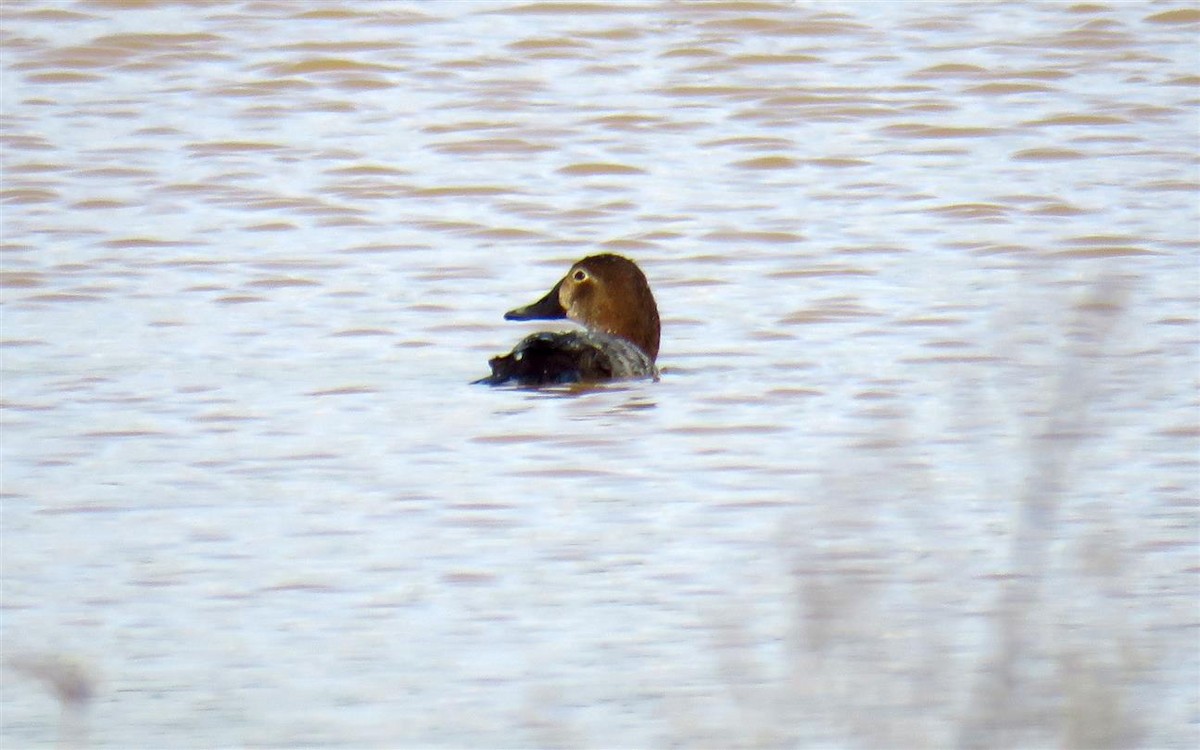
(642, 330)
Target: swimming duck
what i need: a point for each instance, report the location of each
(609, 295)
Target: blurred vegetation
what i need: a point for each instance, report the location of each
(877, 655)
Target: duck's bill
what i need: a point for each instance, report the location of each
(547, 308)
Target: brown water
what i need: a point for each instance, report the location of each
(922, 469)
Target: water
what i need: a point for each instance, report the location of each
(928, 413)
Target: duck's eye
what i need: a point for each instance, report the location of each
(580, 275)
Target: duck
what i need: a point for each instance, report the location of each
(609, 295)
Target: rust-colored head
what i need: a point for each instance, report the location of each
(606, 293)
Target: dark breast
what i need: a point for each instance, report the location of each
(570, 357)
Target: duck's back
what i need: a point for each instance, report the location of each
(569, 357)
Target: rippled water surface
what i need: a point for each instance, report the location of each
(921, 470)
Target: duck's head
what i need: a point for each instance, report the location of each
(606, 293)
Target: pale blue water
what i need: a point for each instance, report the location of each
(924, 272)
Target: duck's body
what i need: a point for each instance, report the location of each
(609, 295)
(549, 358)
